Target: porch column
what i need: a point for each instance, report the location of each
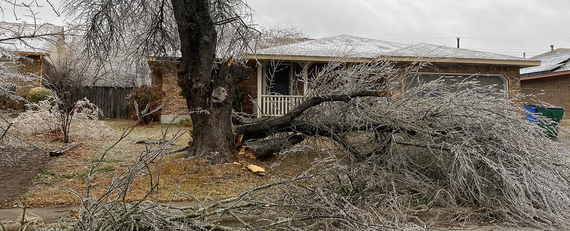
(259, 87)
(305, 66)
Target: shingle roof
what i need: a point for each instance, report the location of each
(348, 46)
(267, 42)
(29, 38)
(337, 46)
(443, 52)
(553, 52)
(552, 63)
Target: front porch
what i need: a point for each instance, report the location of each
(277, 105)
(281, 87)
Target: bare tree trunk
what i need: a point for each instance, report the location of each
(198, 47)
(208, 96)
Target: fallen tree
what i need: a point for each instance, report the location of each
(440, 145)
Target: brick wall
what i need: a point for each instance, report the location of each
(552, 90)
(250, 85)
(164, 80)
(32, 68)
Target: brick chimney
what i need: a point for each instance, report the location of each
(551, 47)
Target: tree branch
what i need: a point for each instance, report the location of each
(285, 120)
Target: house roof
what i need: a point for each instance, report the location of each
(268, 42)
(358, 49)
(554, 63)
(552, 52)
(337, 46)
(29, 38)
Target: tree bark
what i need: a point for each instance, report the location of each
(198, 48)
(208, 96)
(266, 148)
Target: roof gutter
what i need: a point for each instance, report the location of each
(33, 53)
(308, 58)
(521, 63)
(546, 75)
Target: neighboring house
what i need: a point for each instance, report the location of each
(549, 82)
(39, 46)
(298, 60)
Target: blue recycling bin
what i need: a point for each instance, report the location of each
(530, 111)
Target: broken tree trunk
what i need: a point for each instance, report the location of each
(266, 148)
(264, 128)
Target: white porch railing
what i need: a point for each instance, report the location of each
(278, 105)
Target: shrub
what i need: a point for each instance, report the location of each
(143, 96)
(38, 94)
(239, 96)
(186, 122)
(43, 118)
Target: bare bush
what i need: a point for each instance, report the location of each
(44, 117)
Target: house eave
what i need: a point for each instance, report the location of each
(546, 75)
(33, 53)
(307, 58)
(520, 63)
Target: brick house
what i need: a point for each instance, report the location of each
(550, 81)
(38, 52)
(296, 62)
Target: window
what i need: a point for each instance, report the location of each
(277, 79)
(498, 81)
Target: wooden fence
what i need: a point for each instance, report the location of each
(111, 100)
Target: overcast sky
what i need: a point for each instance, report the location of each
(499, 26)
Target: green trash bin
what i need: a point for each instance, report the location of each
(554, 114)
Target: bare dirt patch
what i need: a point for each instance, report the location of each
(18, 168)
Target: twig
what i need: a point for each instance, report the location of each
(23, 222)
(59, 152)
(5, 132)
(176, 150)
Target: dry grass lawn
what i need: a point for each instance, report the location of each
(181, 179)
